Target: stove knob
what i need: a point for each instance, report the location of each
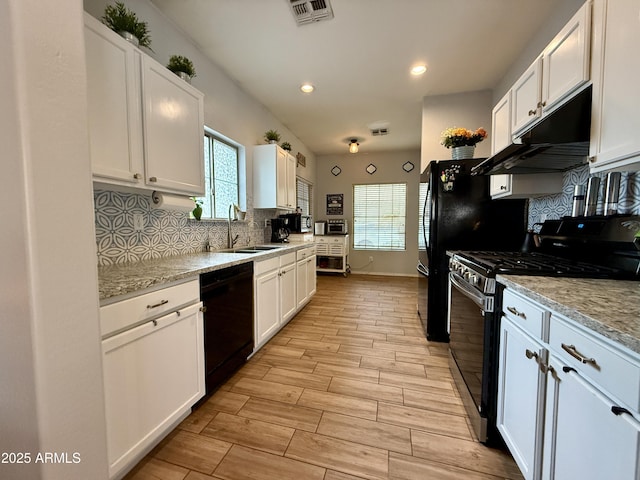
(474, 279)
(467, 275)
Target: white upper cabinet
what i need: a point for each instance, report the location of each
(501, 124)
(565, 61)
(173, 131)
(274, 174)
(114, 105)
(615, 121)
(561, 69)
(525, 97)
(146, 125)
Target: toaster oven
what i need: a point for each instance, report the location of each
(337, 226)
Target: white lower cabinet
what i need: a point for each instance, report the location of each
(275, 295)
(153, 375)
(306, 276)
(521, 384)
(568, 398)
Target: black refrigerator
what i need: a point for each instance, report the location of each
(458, 214)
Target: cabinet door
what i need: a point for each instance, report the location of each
(499, 185)
(615, 122)
(525, 98)
(520, 397)
(282, 192)
(114, 105)
(566, 59)
(501, 124)
(173, 131)
(311, 276)
(153, 374)
(584, 438)
(267, 306)
(288, 304)
(302, 279)
(291, 181)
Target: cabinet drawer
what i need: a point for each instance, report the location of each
(266, 266)
(305, 253)
(525, 314)
(121, 315)
(595, 359)
(287, 259)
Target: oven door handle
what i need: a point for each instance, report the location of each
(482, 301)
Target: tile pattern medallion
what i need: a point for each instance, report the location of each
(559, 205)
(350, 389)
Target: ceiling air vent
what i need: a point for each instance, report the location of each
(376, 132)
(310, 11)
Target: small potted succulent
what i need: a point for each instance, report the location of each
(272, 136)
(182, 66)
(286, 146)
(125, 23)
(197, 211)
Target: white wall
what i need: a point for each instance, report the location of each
(228, 109)
(389, 170)
(51, 398)
(469, 110)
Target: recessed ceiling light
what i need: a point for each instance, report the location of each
(307, 88)
(418, 69)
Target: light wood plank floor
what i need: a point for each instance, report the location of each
(349, 389)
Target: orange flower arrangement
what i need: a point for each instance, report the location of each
(460, 137)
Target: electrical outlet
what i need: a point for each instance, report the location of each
(138, 222)
(370, 258)
(267, 222)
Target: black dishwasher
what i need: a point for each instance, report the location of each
(227, 295)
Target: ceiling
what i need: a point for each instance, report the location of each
(359, 61)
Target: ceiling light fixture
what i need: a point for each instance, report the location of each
(418, 69)
(353, 145)
(307, 88)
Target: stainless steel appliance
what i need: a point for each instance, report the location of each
(337, 226)
(320, 228)
(595, 247)
(279, 230)
(298, 223)
(458, 214)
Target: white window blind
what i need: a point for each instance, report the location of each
(424, 188)
(379, 216)
(304, 199)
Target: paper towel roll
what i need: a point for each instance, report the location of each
(167, 201)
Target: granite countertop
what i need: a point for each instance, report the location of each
(609, 307)
(129, 278)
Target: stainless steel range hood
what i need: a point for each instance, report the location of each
(559, 142)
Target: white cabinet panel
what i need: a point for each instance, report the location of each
(274, 171)
(173, 133)
(501, 124)
(153, 374)
(525, 98)
(267, 305)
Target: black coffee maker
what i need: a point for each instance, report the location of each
(279, 230)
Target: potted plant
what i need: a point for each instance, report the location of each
(462, 141)
(182, 66)
(286, 146)
(125, 22)
(272, 136)
(197, 211)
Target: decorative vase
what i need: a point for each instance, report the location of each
(197, 212)
(129, 37)
(184, 76)
(460, 153)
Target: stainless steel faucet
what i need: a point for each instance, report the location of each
(231, 241)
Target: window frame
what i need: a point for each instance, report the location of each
(309, 200)
(402, 246)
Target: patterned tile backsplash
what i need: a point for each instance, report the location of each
(559, 205)
(164, 233)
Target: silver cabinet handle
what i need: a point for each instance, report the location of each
(571, 350)
(532, 112)
(137, 176)
(503, 187)
(159, 304)
(529, 354)
(517, 313)
(153, 179)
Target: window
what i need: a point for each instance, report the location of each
(221, 176)
(304, 200)
(379, 216)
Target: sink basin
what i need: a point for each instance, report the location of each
(243, 250)
(264, 247)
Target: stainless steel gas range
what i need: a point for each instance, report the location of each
(591, 247)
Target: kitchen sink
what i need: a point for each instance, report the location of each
(250, 249)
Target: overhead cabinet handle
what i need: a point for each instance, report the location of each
(571, 350)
